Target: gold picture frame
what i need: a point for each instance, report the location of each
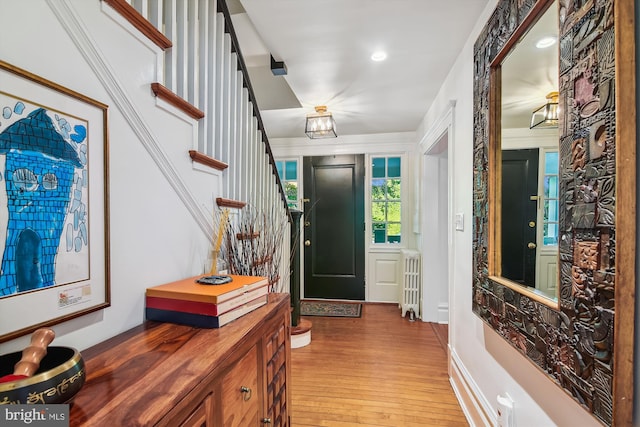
(54, 203)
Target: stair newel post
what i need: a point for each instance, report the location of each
(295, 266)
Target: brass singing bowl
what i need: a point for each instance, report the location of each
(60, 376)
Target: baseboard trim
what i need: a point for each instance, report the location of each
(443, 313)
(474, 406)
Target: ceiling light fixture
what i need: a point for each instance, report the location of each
(321, 124)
(379, 56)
(546, 42)
(547, 115)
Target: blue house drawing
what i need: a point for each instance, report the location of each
(39, 173)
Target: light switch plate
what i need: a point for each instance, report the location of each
(459, 221)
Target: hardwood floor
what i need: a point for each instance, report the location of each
(377, 370)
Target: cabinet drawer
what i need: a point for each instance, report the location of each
(240, 394)
(202, 415)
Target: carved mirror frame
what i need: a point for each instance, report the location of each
(577, 345)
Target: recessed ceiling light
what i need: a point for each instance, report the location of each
(379, 56)
(546, 42)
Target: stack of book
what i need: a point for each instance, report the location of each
(188, 302)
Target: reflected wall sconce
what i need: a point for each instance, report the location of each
(321, 124)
(547, 115)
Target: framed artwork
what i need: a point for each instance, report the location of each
(54, 228)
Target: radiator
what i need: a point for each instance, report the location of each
(411, 283)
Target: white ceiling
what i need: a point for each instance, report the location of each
(326, 46)
(529, 74)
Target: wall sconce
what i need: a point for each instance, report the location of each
(320, 124)
(547, 115)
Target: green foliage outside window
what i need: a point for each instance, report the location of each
(386, 205)
(288, 172)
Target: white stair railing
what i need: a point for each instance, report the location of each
(204, 66)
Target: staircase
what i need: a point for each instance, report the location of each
(204, 75)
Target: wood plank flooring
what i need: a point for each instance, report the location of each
(377, 370)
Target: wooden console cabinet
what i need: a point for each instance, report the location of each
(162, 374)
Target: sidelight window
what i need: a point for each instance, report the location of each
(551, 200)
(288, 172)
(386, 203)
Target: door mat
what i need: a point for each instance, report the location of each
(330, 309)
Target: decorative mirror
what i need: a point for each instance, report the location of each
(525, 206)
(578, 178)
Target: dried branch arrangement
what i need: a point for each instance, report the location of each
(252, 242)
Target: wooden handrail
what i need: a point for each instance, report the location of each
(140, 22)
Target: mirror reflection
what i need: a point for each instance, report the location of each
(528, 181)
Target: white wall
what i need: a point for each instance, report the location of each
(157, 232)
(485, 363)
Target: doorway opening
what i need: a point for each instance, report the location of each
(435, 231)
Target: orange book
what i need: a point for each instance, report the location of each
(190, 290)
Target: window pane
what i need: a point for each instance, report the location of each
(550, 234)
(394, 167)
(279, 167)
(379, 233)
(291, 190)
(378, 167)
(377, 189)
(393, 212)
(291, 170)
(378, 211)
(553, 187)
(551, 211)
(393, 233)
(386, 194)
(551, 163)
(550, 187)
(393, 189)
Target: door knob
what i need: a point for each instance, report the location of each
(532, 224)
(531, 245)
(307, 242)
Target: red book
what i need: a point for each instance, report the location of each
(202, 321)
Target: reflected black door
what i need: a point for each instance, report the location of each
(519, 215)
(334, 227)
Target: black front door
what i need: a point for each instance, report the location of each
(334, 227)
(519, 215)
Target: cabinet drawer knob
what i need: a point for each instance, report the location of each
(246, 393)
(266, 421)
